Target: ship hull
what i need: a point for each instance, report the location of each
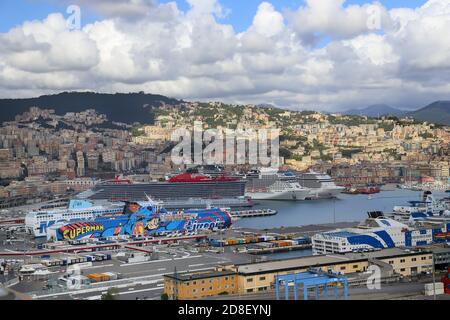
(286, 195)
(325, 193)
(163, 191)
(143, 223)
(205, 203)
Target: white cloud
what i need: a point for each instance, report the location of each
(127, 9)
(192, 55)
(268, 22)
(48, 46)
(330, 18)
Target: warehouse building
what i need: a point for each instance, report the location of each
(441, 256)
(195, 285)
(260, 277)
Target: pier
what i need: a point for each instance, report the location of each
(95, 247)
(254, 213)
(258, 251)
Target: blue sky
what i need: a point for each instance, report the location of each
(266, 64)
(14, 12)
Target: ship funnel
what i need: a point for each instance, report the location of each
(428, 197)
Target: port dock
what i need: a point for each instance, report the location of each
(258, 251)
(253, 213)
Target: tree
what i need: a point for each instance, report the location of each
(164, 296)
(110, 294)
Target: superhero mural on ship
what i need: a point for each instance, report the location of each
(141, 219)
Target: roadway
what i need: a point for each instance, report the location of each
(142, 280)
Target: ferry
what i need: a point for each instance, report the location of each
(376, 233)
(140, 219)
(426, 209)
(38, 222)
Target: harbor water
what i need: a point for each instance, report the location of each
(345, 208)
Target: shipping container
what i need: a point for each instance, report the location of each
(99, 277)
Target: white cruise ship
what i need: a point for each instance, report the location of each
(279, 190)
(321, 185)
(38, 222)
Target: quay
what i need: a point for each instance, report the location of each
(253, 213)
(258, 251)
(12, 222)
(91, 248)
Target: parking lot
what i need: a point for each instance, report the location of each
(138, 280)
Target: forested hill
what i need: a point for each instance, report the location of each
(120, 107)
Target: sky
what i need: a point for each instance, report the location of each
(321, 54)
(14, 12)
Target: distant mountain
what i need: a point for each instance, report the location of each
(436, 112)
(376, 110)
(119, 107)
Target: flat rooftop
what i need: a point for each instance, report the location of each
(285, 265)
(437, 248)
(188, 276)
(322, 260)
(387, 253)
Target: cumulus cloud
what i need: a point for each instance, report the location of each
(127, 9)
(268, 22)
(206, 7)
(45, 46)
(144, 45)
(330, 18)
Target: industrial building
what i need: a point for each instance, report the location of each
(195, 285)
(441, 256)
(315, 279)
(260, 277)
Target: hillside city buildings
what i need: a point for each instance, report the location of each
(42, 153)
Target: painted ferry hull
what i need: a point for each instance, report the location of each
(143, 223)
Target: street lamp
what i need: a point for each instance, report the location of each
(434, 278)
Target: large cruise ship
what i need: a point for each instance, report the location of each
(181, 188)
(321, 185)
(279, 190)
(38, 222)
